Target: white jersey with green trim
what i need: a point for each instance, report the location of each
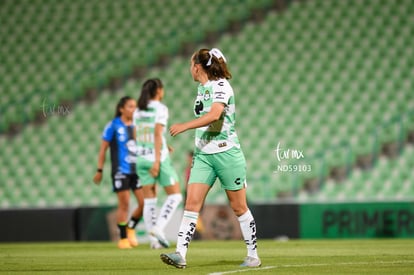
(220, 135)
(144, 121)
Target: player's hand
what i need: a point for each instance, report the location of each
(97, 178)
(155, 169)
(177, 129)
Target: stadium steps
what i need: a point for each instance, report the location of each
(63, 51)
(389, 179)
(297, 82)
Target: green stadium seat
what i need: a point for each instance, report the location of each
(321, 77)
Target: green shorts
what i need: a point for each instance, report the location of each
(166, 177)
(229, 166)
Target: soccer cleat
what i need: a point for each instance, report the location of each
(124, 244)
(251, 262)
(174, 259)
(160, 237)
(132, 237)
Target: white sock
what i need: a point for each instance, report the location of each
(186, 231)
(248, 228)
(167, 210)
(149, 215)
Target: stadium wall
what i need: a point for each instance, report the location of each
(335, 220)
(357, 220)
(68, 224)
(274, 221)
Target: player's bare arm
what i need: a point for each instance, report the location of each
(210, 117)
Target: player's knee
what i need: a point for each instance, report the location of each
(193, 204)
(239, 209)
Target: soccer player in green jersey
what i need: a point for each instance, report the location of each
(153, 164)
(217, 155)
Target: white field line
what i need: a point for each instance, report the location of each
(307, 265)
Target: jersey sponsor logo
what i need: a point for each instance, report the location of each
(198, 107)
(132, 147)
(122, 137)
(131, 159)
(222, 144)
(142, 151)
(219, 95)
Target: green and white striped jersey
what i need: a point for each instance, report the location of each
(221, 135)
(144, 121)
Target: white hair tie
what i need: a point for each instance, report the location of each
(217, 53)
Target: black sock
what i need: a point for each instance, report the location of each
(122, 230)
(133, 222)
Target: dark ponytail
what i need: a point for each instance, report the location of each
(148, 92)
(216, 69)
(121, 104)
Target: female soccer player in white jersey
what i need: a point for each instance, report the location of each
(119, 136)
(154, 163)
(217, 154)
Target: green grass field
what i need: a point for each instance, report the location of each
(394, 256)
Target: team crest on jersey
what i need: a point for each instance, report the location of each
(206, 95)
